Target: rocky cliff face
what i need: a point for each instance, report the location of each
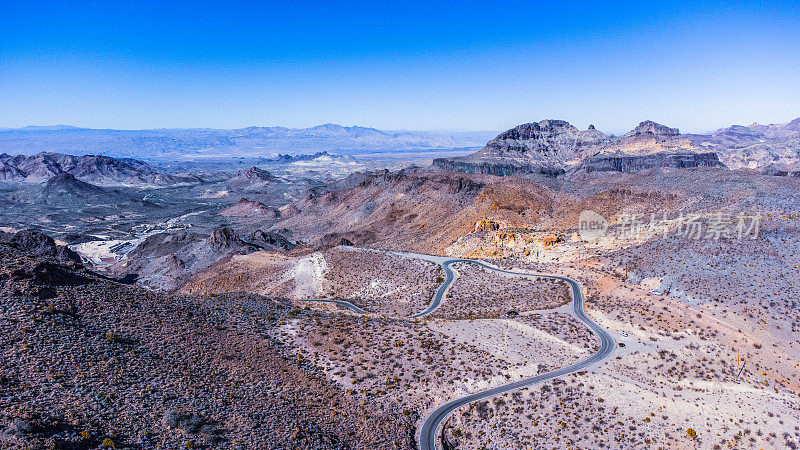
(630, 163)
(494, 168)
(549, 143)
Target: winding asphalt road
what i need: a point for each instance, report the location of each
(429, 431)
(430, 427)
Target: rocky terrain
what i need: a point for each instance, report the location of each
(546, 147)
(553, 147)
(167, 260)
(200, 292)
(95, 169)
(754, 146)
(253, 179)
(89, 362)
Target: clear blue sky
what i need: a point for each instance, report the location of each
(484, 65)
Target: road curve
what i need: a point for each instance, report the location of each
(437, 298)
(429, 431)
(430, 427)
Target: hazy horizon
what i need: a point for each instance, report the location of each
(393, 130)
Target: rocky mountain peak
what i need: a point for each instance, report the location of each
(255, 173)
(534, 131)
(650, 138)
(253, 179)
(557, 141)
(650, 128)
(66, 180)
(546, 147)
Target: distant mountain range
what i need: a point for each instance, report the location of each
(553, 147)
(753, 146)
(250, 142)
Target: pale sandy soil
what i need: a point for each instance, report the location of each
(415, 366)
(381, 282)
(480, 293)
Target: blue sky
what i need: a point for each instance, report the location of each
(398, 65)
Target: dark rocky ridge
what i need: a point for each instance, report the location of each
(95, 169)
(270, 240)
(784, 170)
(67, 185)
(166, 260)
(489, 168)
(628, 164)
(40, 245)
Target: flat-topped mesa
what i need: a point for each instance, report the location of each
(650, 128)
(547, 147)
